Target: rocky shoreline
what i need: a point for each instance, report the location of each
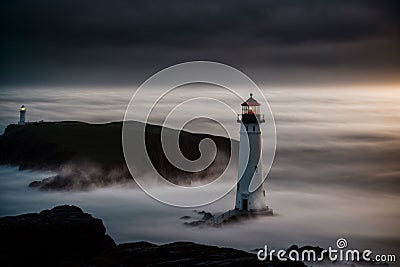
(67, 236)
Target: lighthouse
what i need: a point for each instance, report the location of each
(250, 159)
(22, 112)
(250, 192)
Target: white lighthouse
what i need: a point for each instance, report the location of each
(22, 113)
(250, 160)
(250, 191)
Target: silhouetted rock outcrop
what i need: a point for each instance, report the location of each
(180, 254)
(61, 234)
(66, 236)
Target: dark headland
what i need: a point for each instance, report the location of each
(87, 155)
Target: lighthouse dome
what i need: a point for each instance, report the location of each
(251, 102)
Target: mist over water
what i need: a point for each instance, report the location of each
(336, 171)
(301, 217)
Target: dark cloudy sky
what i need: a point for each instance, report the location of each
(99, 42)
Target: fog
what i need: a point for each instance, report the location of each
(302, 216)
(336, 172)
(342, 137)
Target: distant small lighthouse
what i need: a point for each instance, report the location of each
(250, 159)
(22, 112)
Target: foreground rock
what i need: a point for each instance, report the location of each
(66, 236)
(60, 234)
(180, 254)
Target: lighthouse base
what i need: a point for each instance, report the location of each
(234, 215)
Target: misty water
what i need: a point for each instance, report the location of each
(336, 172)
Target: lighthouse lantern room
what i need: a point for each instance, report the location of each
(22, 113)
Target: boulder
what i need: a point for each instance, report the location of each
(60, 234)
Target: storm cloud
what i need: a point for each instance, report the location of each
(124, 42)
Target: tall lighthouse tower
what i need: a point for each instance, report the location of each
(250, 159)
(22, 112)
